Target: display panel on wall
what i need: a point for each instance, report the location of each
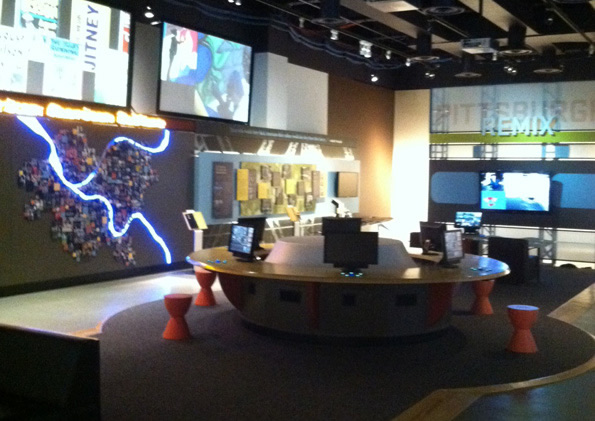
(203, 75)
(268, 188)
(93, 198)
(66, 49)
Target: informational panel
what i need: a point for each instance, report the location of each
(222, 189)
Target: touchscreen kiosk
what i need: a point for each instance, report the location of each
(430, 234)
(351, 251)
(241, 242)
(194, 220)
(340, 225)
(258, 223)
(452, 248)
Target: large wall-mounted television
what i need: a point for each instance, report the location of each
(65, 49)
(202, 75)
(515, 191)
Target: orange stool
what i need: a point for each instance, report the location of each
(205, 279)
(482, 305)
(177, 306)
(522, 318)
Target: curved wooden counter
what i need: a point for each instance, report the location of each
(318, 301)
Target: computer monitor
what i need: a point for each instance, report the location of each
(258, 222)
(469, 221)
(340, 225)
(452, 248)
(351, 251)
(242, 241)
(430, 234)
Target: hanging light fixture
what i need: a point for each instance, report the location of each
(334, 34)
(467, 72)
(549, 63)
(516, 42)
(329, 13)
(441, 7)
(424, 48)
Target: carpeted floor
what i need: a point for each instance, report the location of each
(229, 372)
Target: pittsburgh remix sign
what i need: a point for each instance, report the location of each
(529, 126)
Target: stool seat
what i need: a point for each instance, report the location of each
(177, 306)
(206, 279)
(522, 318)
(481, 305)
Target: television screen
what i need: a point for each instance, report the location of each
(469, 221)
(75, 50)
(204, 75)
(452, 245)
(351, 250)
(515, 191)
(241, 241)
(347, 184)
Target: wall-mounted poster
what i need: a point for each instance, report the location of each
(276, 185)
(222, 189)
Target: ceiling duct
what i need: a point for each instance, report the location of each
(550, 64)
(468, 72)
(424, 48)
(516, 42)
(329, 13)
(572, 1)
(441, 7)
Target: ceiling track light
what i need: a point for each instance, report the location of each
(149, 13)
(429, 74)
(408, 62)
(510, 69)
(365, 48)
(334, 34)
(302, 22)
(388, 54)
(373, 78)
(467, 70)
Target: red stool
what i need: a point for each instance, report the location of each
(482, 305)
(522, 318)
(177, 305)
(205, 279)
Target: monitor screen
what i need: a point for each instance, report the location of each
(241, 241)
(515, 191)
(347, 184)
(74, 50)
(203, 75)
(258, 223)
(351, 250)
(332, 225)
(430, 234)
(452, 247)
(469, 221)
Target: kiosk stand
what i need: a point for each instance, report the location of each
(195, 223)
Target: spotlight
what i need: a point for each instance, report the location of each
(550, 64)
(302, 21)
(388, 54)
(334, 34)
(429, 74)
(408, 62)
(238, 2)
(510, 69)
(231, 1)
(149, 13)
(155, 22)
(365, 48)
(373, 78)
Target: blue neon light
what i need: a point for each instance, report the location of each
(54, 161)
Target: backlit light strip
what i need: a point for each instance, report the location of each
(54, 161)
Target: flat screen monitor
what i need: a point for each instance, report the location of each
(75, 50)
(452, 247)
(515, 191)
(241, 241)
(202, 75)
(258, 222)
(351, 251)
(331, 225)
(469, 221)
(347, 184)
(430, 234)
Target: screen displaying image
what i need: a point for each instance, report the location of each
(468, 220)
(68, 49)
(204, 75)
(515, 191)
(241, 240)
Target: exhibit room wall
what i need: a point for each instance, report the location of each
(364, 114)
(410, 189)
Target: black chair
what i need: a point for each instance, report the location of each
(515, 253)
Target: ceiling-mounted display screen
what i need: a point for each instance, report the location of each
(67, 49)
(203, 75)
